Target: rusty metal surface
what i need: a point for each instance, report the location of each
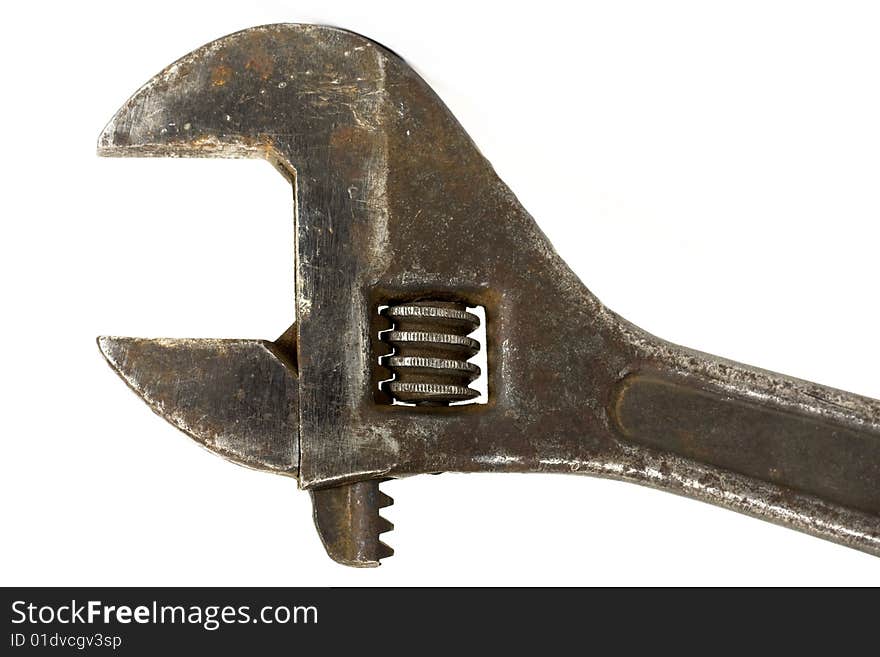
(237, 398)
(394, 205)
(348, 521)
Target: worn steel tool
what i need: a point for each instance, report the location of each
(402, 228)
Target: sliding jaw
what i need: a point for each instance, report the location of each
(395, 208)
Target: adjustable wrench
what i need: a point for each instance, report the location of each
(402, 228)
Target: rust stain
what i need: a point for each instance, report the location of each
(353, 149)
(220, 75)
(261, 64)
(349, 136)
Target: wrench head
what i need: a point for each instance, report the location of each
(394, 204)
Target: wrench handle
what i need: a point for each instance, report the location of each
(795, 435)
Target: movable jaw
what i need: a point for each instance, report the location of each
(401, 226)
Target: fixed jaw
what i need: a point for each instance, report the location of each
(229, 98)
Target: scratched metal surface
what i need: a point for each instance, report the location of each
(237, 398)
(394, 203)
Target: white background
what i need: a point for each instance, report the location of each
(710, 170)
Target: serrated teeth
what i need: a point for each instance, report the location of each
(384, 525)
(384, 551)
